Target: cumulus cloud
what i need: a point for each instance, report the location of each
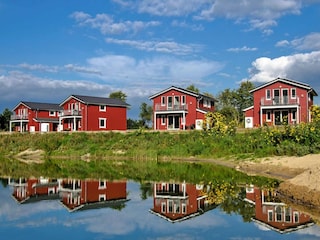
(308, 42)
(154, 46)
(106, 25)
(303, 67)
(260, 15)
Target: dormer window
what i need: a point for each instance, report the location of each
(52, 113)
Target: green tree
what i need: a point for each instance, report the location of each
(134, 124)
(244, 97)
(4, 119)
(146, 114)
(118, 95)
(193, 88)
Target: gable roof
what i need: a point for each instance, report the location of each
(288, 81)
(97, 101)
(40, 106)
(183, 90)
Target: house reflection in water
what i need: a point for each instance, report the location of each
(179, 201)
(73, 194)
(88, 194)
(273, 214)
(34, 189)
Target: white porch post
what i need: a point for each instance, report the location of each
(74, 124)
(21, 126)
(184, 121)
(10, 126)
(260, 117)
(155, 121)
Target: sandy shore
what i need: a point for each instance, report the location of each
(300, 179)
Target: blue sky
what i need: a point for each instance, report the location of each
(52, 49)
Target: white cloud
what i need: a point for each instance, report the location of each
(303, 67)
(242, 49)
(163, 47)
(260, 15)
(106, 25)
(308, 42)
(184, 24)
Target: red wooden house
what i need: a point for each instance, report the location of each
(88, 193)
(178, 201)
(87, 113)
(34, 189)
(177, 108)
(278, 101)
(35, 117)
(273, 214)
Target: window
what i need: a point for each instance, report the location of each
(102, 184)
(163, 207)
(183, 100)
(170, 103)
(170, 207)
(163, 101)
(270, 216)
(268, 116)
(102, 123)
(184, 208)
(294, 115)
(102, 108)
(102, 197)
(163, 120)
(52, 113)
(268, 94)
(296, 217)
(293, 93)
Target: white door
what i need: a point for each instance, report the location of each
(44, 127)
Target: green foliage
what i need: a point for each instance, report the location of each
(118, 95)
(145, 114)
(216, 123)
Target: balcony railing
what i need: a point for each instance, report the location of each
(279, 101)
(70, 113)
(159, 107)
(19, 117)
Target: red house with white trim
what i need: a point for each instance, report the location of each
(176, 108)
(84, 194)
(177, 202)
(76, 113)
(87, 113)
(278, 101)
(273, 214)
(35, 117)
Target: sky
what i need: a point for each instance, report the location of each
(50, 50)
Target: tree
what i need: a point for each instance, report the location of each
(4, 119)
(244, 97)
(145, 114)
(193, 88)
(118, 95)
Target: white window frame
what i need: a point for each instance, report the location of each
(170, 206)
(296, 217)
(102, 197)
(163, 207)
(102, 184)
(270, 218)
(268, 116)
(52, 113)
(293, 115)
(105, 123)
(268, 94)
(293, 96)
(163, 100)
(163, 120)
(183, 100)
(102, 108)
(183, 208)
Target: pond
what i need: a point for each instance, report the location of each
(100, 209)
